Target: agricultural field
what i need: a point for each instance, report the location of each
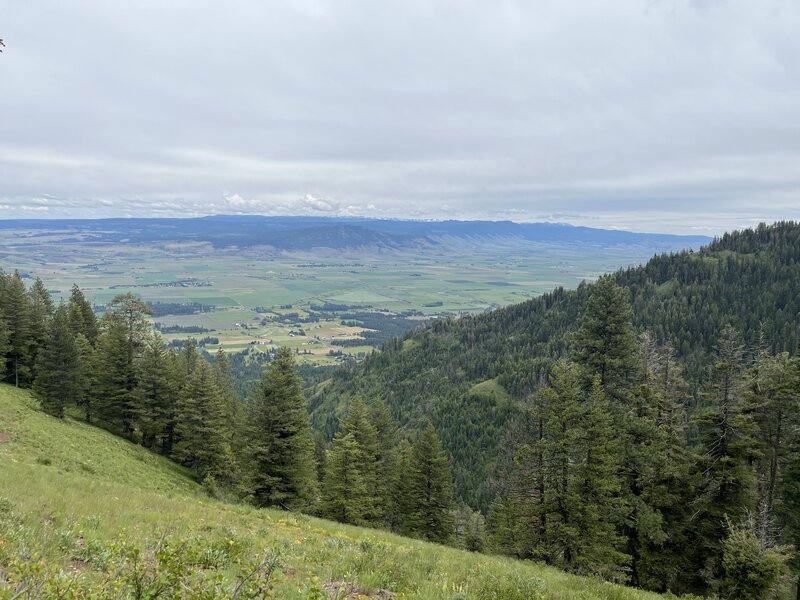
(329, 305)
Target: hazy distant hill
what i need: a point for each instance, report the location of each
(301, 233)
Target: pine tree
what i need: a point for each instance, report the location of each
(119, 348)
(223, 375)
(367, 458)
(605, 342)
(280, 449)
(87, 375)
(399, 512)
(113, 397)
(17, 312)
(57, 383)
(82, 319)
(726, 445)
(154, 397)
(431, 491)
(345, 493)
(201, 430)
(595, 475)
(386, 432)
(41, 311)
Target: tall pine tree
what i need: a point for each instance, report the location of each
(280, 449)
(57, 383)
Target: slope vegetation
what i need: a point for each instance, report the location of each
(86, 514)
(749, 279)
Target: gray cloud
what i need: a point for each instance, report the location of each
(665, 115)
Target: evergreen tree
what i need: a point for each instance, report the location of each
(17, 312)
(597, 491)
(82, 319)
(87, 375)
(125, 329)
(605, 342)
(154, 397)
(57, 383)
(430, 487)
(41, 311)
(113, 400)
(345, 494)
(367, 458)
(223, 375)
(201, 429)
(727, 447)
(280, 449)
(400, 511)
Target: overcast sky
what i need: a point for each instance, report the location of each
(652, 115)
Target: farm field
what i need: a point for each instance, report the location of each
(260, 297)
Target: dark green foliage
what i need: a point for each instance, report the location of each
(81, 316)
(751, 571)
(201, 429)
(280, 464)
(727, 490)
(430, 490)
(346, 496)
(605, 344)
(17, 310)
(154, 396)
(58, 381)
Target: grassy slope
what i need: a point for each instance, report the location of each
(72, 490)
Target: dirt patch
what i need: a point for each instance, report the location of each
(5, 437)
(76, 565)
(340, 590)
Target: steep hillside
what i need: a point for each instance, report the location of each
(750, 279)
(86, 514)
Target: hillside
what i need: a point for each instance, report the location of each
(749, 279)
(83, 509)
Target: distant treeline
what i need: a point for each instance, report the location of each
(160, 309)
(180, 328)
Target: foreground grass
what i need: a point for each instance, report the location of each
(87, 514)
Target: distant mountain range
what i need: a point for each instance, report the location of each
(305, 233)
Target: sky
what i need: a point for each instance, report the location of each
(648, 115)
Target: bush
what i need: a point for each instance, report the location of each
(752, 572)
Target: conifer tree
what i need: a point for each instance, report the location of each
(726, 446)
(345, 494)
(399, 512)
(57, 383)
(223, 375)
(201, 429)
(596, 484)
(154, 397)
(367, 457)
(113, 398)
(281, 466)
(430, 487)
(125, 329)
(82, 319)
(87, 375)
(41, 311)
(605, 342)
(17, 311)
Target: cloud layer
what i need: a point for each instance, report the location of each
(649, 115)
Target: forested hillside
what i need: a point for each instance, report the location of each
(638, 428)
(469, 374)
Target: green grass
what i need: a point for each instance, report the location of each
(74, 499)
